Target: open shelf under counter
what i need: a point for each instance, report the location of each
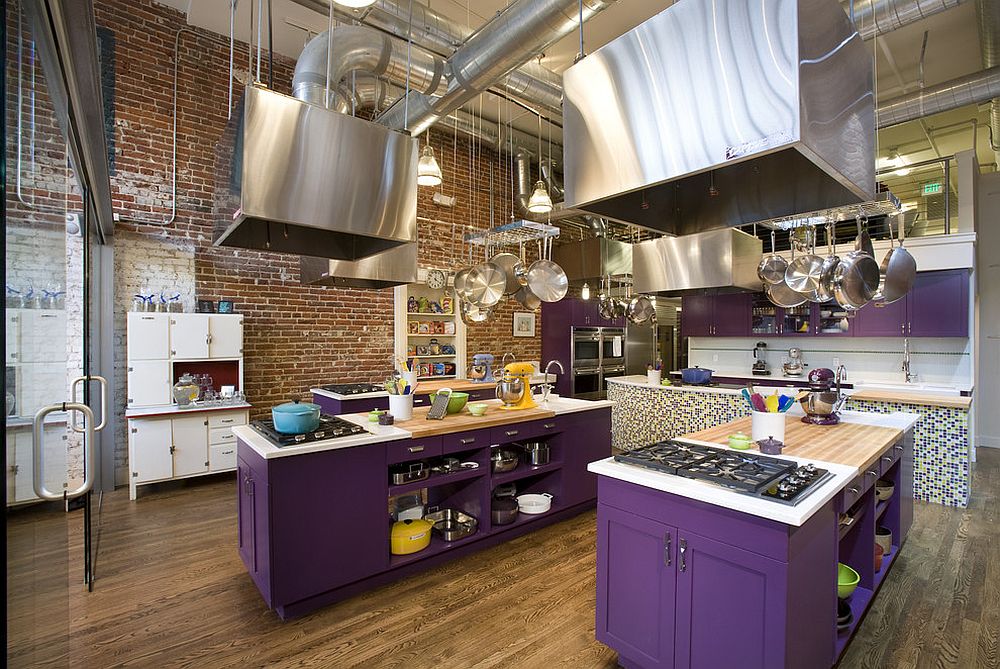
(858, 602)
(437, 546)
(523, 518)
(523, 472)
(887, 561)
(880, 508)
(435, 480)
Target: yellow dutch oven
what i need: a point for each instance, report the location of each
(410, 536)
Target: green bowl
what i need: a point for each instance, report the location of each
(847, 580)
(456, 402)
(478, 408)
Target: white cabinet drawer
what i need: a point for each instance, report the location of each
(221, 458)
(221, 436)
(227, 419)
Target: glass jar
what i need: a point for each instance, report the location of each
(186, 390)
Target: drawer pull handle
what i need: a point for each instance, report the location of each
(887, 458)
(549, 426)
(853, 490)
(872, 472)
(511, 433)
(416, 449)
(227, 420)
(468, 440)
(666, 549)
(898, 447)
(684, 547)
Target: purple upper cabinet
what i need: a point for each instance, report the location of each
(731, 315)
(887, 321)
(696, 316)
(636, 579)
(722, 588)
(938, 304)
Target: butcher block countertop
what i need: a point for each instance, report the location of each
(419, 427)
(853, 444)
(949, 401)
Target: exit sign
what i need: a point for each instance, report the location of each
(932, 188)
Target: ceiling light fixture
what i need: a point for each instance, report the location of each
(428, 172)
(540, 202)
(897, 161)
(354, 4)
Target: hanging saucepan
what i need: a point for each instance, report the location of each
(864, 242)
(485, 285)
(471, 314)
(640, 310)
(527, 299)
(803, 273)
(461, 283)
(898, 270)
(605, 305)
(783, 296)
(771, 269)
(516, 275)
(855, 280)
(825, 291)
(546, 279)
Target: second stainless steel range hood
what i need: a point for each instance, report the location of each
(297, 178)
(593, 259)
(394, 267)
(717, 261)
(713, 114)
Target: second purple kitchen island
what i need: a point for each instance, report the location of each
(699, 575)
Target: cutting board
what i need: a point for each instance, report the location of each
(420, 427)
(845, 443)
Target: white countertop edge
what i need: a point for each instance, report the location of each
(853, 379)
(267, 450)
(139, 412)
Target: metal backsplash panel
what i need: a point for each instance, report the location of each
(712, 114)
(297, 178)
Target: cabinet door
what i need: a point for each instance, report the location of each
(148, 383)
(938, 304)
(225, 336)
(149, 450)
(13, 330)
(721, 587)
(763, 316)
(636, 580)
(731, 315)
(696, 316)
(24, 467)
(583, 441)
(189, 336)
(245, 518)
(37, 343)
(585, 313)
(881, 321)
(796, 321)
(148, 336)
(190, 445)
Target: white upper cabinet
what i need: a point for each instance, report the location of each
(225, 336)
(189, 336)
(148, 336)
(13, 322)
(149, 383)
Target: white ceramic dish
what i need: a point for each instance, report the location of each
(534, 504)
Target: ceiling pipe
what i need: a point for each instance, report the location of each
(988, 22)
(513, 37)
(967, 90)
(873, 18)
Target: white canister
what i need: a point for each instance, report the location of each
(401, 406)
(765, 424)
(653, 377)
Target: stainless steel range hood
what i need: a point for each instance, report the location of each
(297, 178)
(717, 261)
(394, 267)
(594, 258)
(713, 114)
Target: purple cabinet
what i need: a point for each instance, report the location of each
(716, 315)
(253, 526)
(586, 437)
(936, 306)
(696, 316)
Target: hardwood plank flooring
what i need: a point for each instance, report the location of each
(172, 592)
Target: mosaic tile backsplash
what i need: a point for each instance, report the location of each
(941, 469)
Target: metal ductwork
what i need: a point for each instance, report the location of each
(395, 267)
(295, 178)
(988, 21)
(873, 18)
(530, 84)
(697, 119)
(967, 90)
(513, 37)
(717, 261)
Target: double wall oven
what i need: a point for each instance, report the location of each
(597, 354)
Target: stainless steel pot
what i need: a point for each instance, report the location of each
(503, 510)
(771, 269)
(513, 270)
(452, 524)
(536, 452)
(641, 310)
(547, 279)
(822, 403)
(898, 271)
(503, 460)
(485, 285)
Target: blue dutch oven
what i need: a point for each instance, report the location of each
(696, 375)
(295, 417)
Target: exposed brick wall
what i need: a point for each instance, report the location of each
(295, 336)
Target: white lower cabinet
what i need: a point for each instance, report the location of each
(170, 446)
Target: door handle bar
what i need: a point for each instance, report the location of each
(38, 455)
(104, 401)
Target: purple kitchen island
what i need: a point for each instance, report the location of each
(314, 519)
(710, 557)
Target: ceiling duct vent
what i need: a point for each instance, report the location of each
(297, 178)
(717, 261)
(710, 115)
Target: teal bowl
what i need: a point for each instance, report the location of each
(456, 402)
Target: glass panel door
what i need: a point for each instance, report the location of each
(763, 316)
(45, 296)
(796, 320)
(833, 319)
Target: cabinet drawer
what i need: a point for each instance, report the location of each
(412, 449)
(483, 394)
(889, 458)
(230, 419)
(221, 458)
(851, 493)
(464, 441)
(521, 431)
(221, 436)
(419, 401)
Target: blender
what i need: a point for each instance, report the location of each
(759, 364)
(482, 368)
(514, 389)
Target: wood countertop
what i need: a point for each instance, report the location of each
(949, 401)
(460, 385)
(420, 427)
(849, 444)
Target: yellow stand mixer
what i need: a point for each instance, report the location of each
(514, 386)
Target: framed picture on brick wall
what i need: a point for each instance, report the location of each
(226, 307)
(524, 324)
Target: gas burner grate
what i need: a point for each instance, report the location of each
(330, 427)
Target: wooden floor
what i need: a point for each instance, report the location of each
(172, 592)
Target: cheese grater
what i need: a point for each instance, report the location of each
(440, 406)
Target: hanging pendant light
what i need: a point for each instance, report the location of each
(585, 292)
(428, 172)
(354, 4)
(540, 202)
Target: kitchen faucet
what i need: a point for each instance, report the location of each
(547, 387)
(841, 377)
(906, 361)
(503, 360)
